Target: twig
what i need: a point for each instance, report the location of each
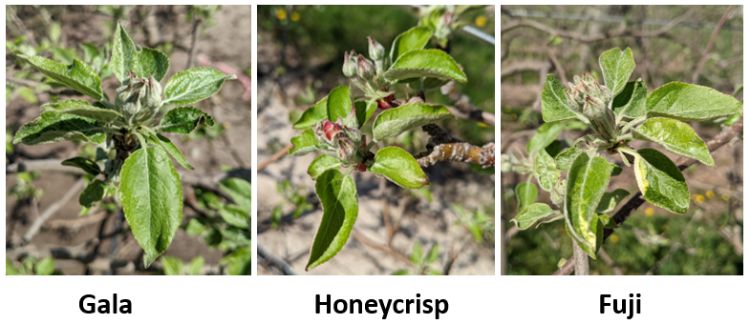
(463, 106)
(566, 269)
(710, 45)
(483, 116)
(275, 157)
(193, 37)
(724, 137)
(551, 53)
(580, 261)
(461, 152)
(623, 31)
(189, 178)
(50, 211)
(275, 261)
(357, 235)
(512, 68)
(41, 165)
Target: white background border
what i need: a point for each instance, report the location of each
(481, 299)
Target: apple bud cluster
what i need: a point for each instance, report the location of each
(139, 98)
(592, 99)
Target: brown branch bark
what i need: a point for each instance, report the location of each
(275, 157)
(710, 45)
(205, 180)
(362, 238)
(580, 261)
(623, 31)
(460, 152)
(50, 211)
(193, 39)
(622, 214)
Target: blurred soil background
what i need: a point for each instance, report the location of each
(445, 228)
(696, 44)
(100, 242)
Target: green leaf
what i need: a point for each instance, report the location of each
(84, 164)
(338, 195)
(660, 181)
(54, 127)
(184, 120)
(364, 110)
(313, 115)
(82, 108)
(617, 66)
(240, 190)
(686, 101)
(588, 179)
(631, 102)
(235, 215)
(526, 193)
(565, 158)
(78, 76)
(554, 101)
(545, 170)
(150, 62)
(534, 214)
(610, 200)
(124, 52)
(415, 38)
(397, 120)
(545, 135)
(173, 151)
(675, 136)
(400, 167)
(93, 193)
(151, 195)
(321, 164)
(196, 266)
(425, 63)
(238, 262)
(45, 267)
(193, 85)
(339, 103)
(172, 266)
(304, 143)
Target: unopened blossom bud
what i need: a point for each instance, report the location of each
(592, 99)
(346, 148)
(365, 68)
(387, 102)
(128, 95)
(152, 97)
(375, 49)
(349, 67)
(139, 98)
(327, 130)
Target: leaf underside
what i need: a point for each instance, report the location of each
(338, 196)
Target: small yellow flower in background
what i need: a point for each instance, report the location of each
(281, 14)
(725, 197)
(649, 211)
(614, 238)
(699, 199)
(480, 21)
(710, 194)
(294, 17)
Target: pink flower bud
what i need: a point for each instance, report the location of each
(365, 68)
(330, 129)
(387, 102)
